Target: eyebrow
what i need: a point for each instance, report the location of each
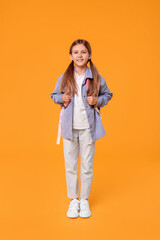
(77, 50)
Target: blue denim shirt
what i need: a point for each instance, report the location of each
(96, 128)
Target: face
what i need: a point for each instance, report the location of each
(80, 55)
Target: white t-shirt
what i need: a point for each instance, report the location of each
(80, 120)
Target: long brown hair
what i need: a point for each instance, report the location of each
(68, 82)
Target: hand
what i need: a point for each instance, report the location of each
(91, 100)
(66, 97)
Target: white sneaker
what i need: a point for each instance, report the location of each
(84, 208)
(73, 209)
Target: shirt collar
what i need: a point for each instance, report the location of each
(88, 74)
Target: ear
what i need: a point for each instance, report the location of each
(70, 56)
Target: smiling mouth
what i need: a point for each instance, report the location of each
(79, 60)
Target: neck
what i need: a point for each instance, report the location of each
(80, 70)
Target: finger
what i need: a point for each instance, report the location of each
(90, 98)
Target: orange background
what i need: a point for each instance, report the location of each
(34, 49)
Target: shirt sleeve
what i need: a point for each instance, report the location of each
(56, 95)
(104, 95)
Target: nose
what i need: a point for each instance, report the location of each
(79, 54)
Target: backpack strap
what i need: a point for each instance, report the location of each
(59, 125)
(87, 83)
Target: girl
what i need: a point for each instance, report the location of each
(81, 91)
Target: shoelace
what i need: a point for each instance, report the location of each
(74, 203)
(84, 205)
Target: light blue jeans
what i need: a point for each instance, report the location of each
(82, 142)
